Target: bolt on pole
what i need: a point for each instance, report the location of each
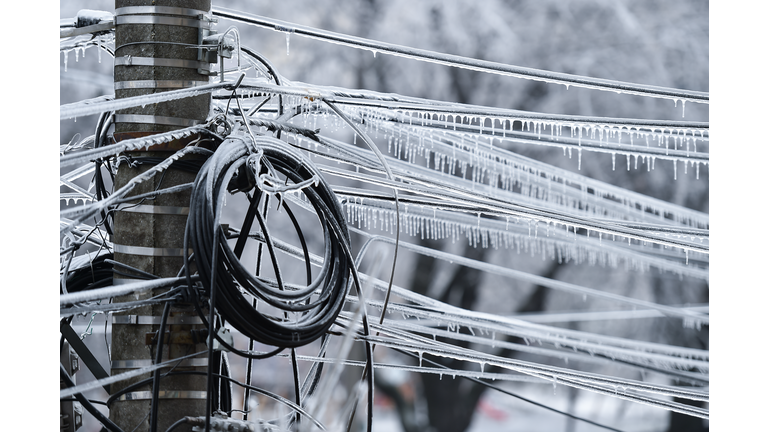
(154, 52)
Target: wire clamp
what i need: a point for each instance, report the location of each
(226, 336)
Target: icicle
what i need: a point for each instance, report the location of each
(287, 43)
(579, 151)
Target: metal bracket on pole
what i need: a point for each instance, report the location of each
(79, 346)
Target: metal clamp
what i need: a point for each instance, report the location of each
(149, 251)
(164, 394)
(163, 20)
(155, 320)
(138, 364)
(163, 62)
(161, 120)
(153, 209)
(151, 84)
(167, 10)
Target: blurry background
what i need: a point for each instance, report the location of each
(650, 42)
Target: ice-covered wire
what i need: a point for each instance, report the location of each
(462, 62)
(431, 108)
(80, 213)
(100, 104)
(578, 379)
(430, 187)
(550, 283)
(81, 388)
(420, 128)
(118, 290)
(507, 392)
(584, 342)
(114, 307)
(643, 353)
(385, 165)
(438, 220)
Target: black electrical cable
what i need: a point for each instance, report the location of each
(178, 423)
(100, 137)
(245, 229)
(141, 274)
(317, 314)
(68, 321)
(225, 387)
(156, 373)
(87, 404)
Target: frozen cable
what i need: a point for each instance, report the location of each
(463, 62)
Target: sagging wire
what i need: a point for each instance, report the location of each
(388, 171)
(601, 349)
(85, 212)
(412, 110)
(462, 62)
(515, 395)
(384, 163)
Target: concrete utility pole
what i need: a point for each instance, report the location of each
(153, 54)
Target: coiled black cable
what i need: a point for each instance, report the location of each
(315, 305)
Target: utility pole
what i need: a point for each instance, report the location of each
(154, 52)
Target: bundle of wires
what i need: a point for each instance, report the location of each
(97, 274)
(307, 311)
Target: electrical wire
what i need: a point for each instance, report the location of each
(459, 61)
(240, 166)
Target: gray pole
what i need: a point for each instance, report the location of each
(152, 54)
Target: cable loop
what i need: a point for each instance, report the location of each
(304, 313)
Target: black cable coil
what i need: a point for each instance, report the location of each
(239, 165)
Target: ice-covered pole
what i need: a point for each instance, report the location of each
(155, 51)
